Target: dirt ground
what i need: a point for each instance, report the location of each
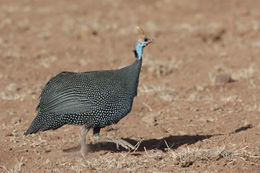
(183, 120)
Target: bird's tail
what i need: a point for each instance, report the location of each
(43, 122)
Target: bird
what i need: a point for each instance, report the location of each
(93, 99)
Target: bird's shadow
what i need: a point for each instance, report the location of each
(163, 144)
(171, 142)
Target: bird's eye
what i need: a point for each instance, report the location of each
(145, 39)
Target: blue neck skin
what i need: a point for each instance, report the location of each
(139, 49)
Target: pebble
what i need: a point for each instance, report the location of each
(223, 78)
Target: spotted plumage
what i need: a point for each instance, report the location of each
(94, 99)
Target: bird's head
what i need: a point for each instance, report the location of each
(142, 42)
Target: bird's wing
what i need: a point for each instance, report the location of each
(61, 96)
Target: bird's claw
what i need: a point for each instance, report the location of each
(124, 144)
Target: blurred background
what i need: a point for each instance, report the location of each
(198, 98)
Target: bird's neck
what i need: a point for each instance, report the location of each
(139, 50)
(130, 76)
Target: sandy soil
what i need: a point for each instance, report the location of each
(186, 119)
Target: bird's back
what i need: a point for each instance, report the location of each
(68, 91)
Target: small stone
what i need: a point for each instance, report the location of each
(223, 78)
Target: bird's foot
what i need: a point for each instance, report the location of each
(84, 151)
(118, 142)
(123, 144)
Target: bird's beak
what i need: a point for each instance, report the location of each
(148, 42)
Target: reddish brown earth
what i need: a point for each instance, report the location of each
(186, 121)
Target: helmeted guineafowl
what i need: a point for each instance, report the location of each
(93, 99)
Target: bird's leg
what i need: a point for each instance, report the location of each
(118, 142)
(83, 147)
